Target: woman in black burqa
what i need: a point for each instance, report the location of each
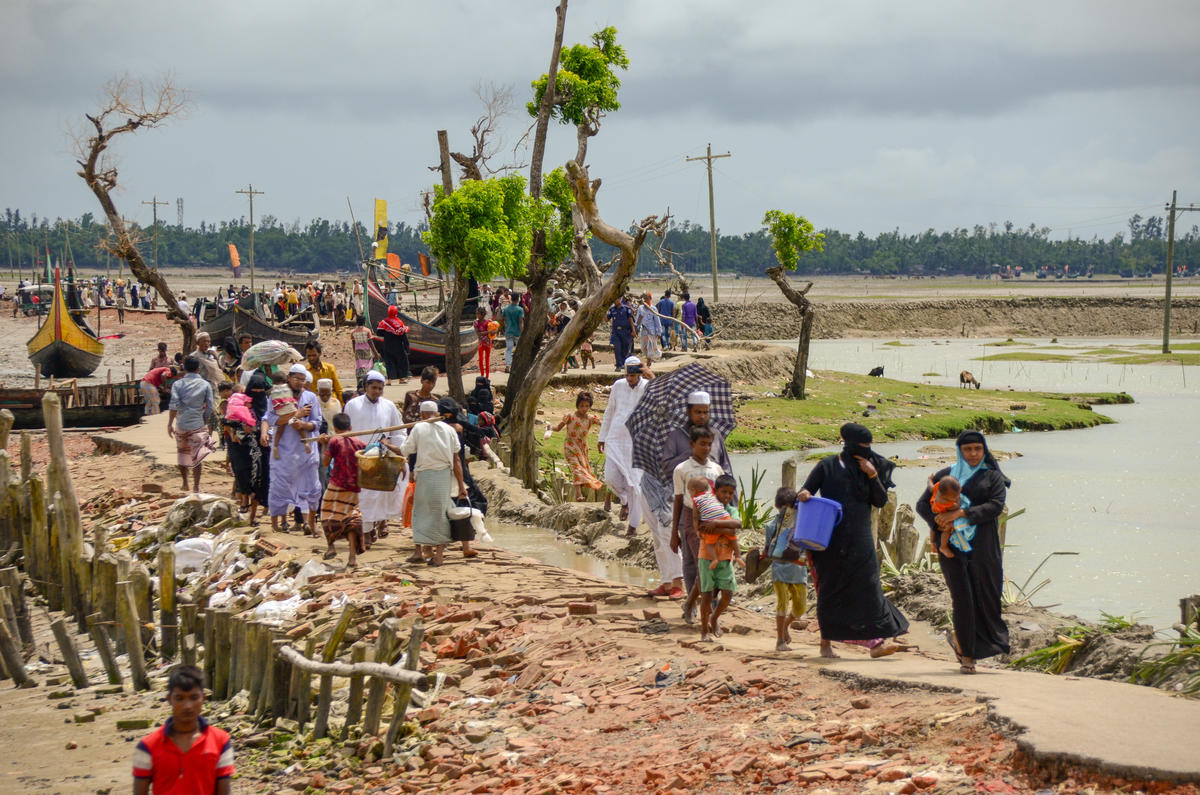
(851, 606)
(975, 578)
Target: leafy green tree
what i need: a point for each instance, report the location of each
(792, 236)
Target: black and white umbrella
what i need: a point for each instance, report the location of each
(663, 407)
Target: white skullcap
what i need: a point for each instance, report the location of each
(375, 375)
(428, 407)
(298, 369)
(308, 376)
(325, 383)
(633, 361)
(699, 399)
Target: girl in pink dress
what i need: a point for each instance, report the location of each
(575, 448)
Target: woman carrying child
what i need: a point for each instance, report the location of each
(851, 606)
(575, 448)
(975, 577)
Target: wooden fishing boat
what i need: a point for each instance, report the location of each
(64, 347)
(427, 342)
(238, 320)
(98, 406)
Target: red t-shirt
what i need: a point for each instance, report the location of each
(343, 464)
(155, 377)
(173, 772)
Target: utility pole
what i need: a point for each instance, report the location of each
(1172, 210)
(712, 214)
(251, 192)
(155, 204)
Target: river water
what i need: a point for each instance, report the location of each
(1126, 496)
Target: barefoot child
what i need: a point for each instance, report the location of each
(718, 549)
(684, 537)
(340, 517)
(586, 356)
(186, 754)
(948, 496)
(575, 448)
(789, 573)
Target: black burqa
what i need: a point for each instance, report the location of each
(976, 578)
(850, 600)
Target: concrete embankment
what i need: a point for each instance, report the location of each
(971, 317)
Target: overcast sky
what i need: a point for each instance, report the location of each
(860, 115)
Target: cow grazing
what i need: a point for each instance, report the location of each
(967, 381)
(876, 371)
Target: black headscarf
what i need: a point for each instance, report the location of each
(854, 436)
(975, 437)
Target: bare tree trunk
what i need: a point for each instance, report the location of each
(799, 298)
(522, 404)
(458, 297)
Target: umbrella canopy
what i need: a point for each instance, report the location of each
(269, 352)
(663, 407)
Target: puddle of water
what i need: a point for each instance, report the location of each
(1124, 496)
(543, 545)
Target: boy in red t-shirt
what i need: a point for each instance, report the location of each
(340, 517)
(186, 756)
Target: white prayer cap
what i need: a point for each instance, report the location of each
(428, 407)
(297, 369)
(375, 375)
(633, 361)
(699, 399)
(308, 376)
(325, 383)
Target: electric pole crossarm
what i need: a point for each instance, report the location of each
(712, 215)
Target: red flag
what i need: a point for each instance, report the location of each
(424, 264)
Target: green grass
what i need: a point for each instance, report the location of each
(903, 411)
(1007, 343)
(927, 375)
(1175, 346)
(1027, 356)
(899, 344)
(1191, 359)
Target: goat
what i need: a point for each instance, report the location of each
(967, 381)
(876, 371)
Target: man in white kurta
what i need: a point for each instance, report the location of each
(617, 445)
(368, 412)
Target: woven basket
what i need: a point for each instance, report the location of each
(378, 473)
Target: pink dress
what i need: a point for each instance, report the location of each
(575, 449)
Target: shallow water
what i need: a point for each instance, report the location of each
(543, 545)
(1124, 496)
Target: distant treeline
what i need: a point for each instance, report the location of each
(329, 246)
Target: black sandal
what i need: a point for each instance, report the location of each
(957, 652)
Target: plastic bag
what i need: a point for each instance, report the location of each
(192, 554)
(309, 569)
(278, 611)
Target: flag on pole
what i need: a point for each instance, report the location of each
(393, 265)
(424, 264)
(235, 261)
(380, 246)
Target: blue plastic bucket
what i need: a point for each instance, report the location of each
(815, 520)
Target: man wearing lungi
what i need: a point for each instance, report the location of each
(191, 398)
(438, 469)
(617, 445)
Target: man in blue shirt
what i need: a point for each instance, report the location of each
(666, 308)
(622, 330)
(512, 317)
(191, 400)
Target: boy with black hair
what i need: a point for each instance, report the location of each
(186, 755)
(789, 573)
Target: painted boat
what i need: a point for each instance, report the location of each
(64, 347)
(237, 320)
(97, 406)
(426, 342)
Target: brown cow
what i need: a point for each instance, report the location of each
(967, 381)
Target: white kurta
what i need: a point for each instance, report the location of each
(619, 473)
(378, 506)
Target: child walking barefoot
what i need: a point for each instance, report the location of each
(789, 573)
(575, 448)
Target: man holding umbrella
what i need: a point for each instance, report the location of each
(617, 445)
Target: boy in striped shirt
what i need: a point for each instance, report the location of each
(186, 756)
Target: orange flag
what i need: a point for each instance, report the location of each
(424, 264)
(235, 261)
(393, 265)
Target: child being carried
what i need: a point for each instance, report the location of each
(946, 497)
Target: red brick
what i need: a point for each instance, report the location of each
(581, 609)
(924, 780)
(892, 774)
(740, 764)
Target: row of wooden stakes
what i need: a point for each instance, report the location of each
(101, 590)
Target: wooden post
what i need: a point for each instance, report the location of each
(6, 423)
(105, 587)
(58, 476)
(237, 646)
(13, 661)
(304, 691)
(187, 649)
(45, 574)
(386, 642)
(210, 647)
(1189, 610)
(15, 582)
(221, 651)
(788, 479)
(26, 455)
(255, 632)
(412, 658)
(188, 612)
(264, 649)
(133, 635)
(358, 653)
(167, 618)
(7, 525)
(64, 562)
(70, 654)
(99, 634)
(325, 696)
(8, 613)
(281, 677)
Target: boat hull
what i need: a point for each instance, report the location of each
(98, 406)
(427, 344)
(61, 348)
(235, 321)
(59, 359)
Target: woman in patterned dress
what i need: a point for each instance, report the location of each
(575, 448)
